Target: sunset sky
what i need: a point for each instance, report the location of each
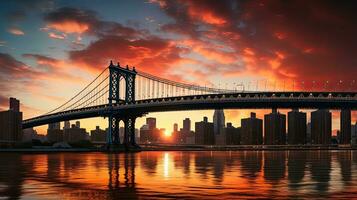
(50, 50)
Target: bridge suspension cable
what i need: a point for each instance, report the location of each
(95, 93)
(150, 87)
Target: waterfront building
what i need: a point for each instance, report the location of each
(354, 133)
(252, 130)
(218, 126)
(148, 132)
(186, 125)
(321, 127)
(296, 127)
(345, 127)
(74, 134)
(30, 134)
(185, 132)
(11, 123)
(274, 128)
(308, 133)
(78, 124)
(204, 132)
(54, 133)
(98, 135)
(55, 125)
(67, 124)
(151, 122)
(232, 135)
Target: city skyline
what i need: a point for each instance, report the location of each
(61, 38)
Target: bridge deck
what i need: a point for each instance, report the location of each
(254, 100)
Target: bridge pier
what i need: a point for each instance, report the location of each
(116, 73)
(129, 134)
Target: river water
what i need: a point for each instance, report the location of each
(180, 174)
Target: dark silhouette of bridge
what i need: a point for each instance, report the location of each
(124, 94)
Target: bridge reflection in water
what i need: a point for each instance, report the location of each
(248, 174)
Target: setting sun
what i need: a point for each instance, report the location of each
(167, 133)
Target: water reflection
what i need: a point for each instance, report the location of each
(249, 174)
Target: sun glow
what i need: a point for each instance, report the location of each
(167, 133)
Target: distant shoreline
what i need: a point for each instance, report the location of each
(181, 148)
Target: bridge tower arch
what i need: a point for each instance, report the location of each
(116, 74)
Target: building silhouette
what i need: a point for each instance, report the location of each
(67, 124)
(55, 125)
(54, 133)
(30, 134)
(345, 127)
(252, 130)
(296, 127)
(204, 132)
(321, 127)
(186, 135)
(151, 122)
(75, 134)
(354, 133)
(186, 127)
(274, 128)
(11, 123)
(98, 135)
(232, 134)
(218, 127)
(148, 132)
(14, 104)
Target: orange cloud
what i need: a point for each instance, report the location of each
(56, 36)
(69, 26)
(16, 31)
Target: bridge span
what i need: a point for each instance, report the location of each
(124, 94)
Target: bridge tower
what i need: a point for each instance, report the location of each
(117, 73)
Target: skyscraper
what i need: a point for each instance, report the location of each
(186, 125)
(14, 104)
(67, 125)
(321, 127)
(98, 135)
(204, 132)
(252, 130)
(218, 121)
(308, 133)
(345, 126)
(218, 126)
(75, 134)
(274, 128)
(175, 128)
(54, 133)
(55, 126)
(296, 127)
(232, 134)
(10, 123)
(151, 122)
(78, 124)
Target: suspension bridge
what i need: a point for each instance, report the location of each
(124, 94)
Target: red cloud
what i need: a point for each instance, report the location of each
(274, 40)
(153, 55)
